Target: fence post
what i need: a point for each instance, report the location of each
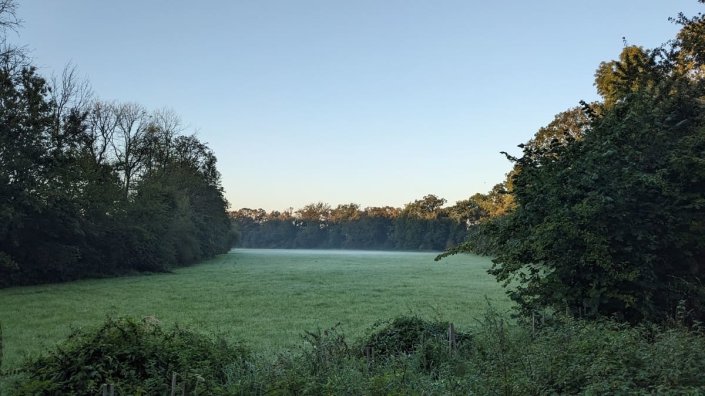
(451, 337)
(369, 355)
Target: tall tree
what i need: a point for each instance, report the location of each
(132, 121)
(93, 188)
(612, 224)
(12, 57)
(566, 126)
(635, 70)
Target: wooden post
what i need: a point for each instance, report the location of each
(104, 389)
(451, 337)
(112, 390)
(369, 355)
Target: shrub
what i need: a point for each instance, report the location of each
(137, 357)
(406, 334)
(498, 356)
(578, 356)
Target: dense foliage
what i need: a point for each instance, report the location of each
(136, 358)
(424, 224)
(407, 355)
(90, 188)
(609, 216)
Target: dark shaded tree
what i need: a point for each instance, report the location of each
(96, 189)
(613, 223)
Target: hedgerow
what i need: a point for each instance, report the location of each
(406, 355)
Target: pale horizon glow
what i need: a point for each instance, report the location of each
(370, 102)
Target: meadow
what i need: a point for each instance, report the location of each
(264, 298)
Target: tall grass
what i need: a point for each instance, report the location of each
(2, 349)
(411, 355)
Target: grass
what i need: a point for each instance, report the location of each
(265, 298)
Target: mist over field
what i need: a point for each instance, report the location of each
(264, 297)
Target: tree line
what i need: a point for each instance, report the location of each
(95, 188)
(608, 214)
(424, 224)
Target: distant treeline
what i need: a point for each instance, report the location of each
(420, 225)
(93, 188)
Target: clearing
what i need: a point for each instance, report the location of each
(265, 298)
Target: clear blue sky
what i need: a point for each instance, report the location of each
(368, 101)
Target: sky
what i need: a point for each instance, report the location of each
(374, 102)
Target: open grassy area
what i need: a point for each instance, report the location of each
(265, 298)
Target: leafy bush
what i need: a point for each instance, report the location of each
(498, 356)
(137, 357)
(405, 334)
(425, 343)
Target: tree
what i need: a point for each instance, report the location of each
(635, 70)
(131, 124)
(428, 207)
(97, 188)
(612, 224)
(689, 48)
(160, 138)
(12, 57)
(345, 212)
(24, 118)
(347, 227)
(566, 126)
(318, 212)
(68, 95)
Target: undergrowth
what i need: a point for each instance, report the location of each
(406, 355)
(136, 357)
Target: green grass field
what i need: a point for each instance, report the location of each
(265, 298)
